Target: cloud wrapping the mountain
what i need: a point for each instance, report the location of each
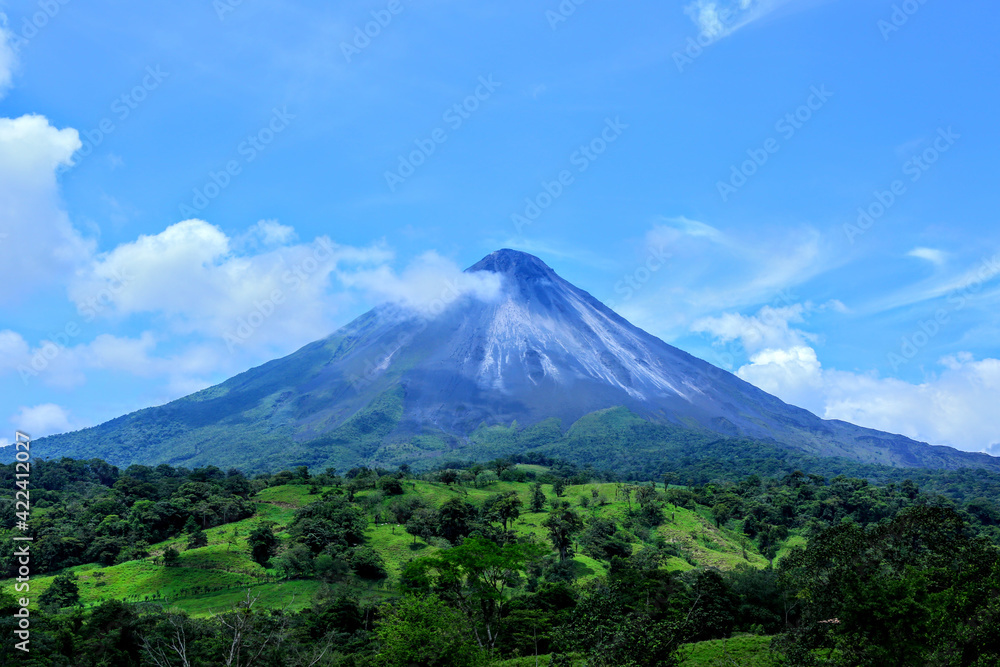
(427, 286)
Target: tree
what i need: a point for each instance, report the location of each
(537, 497)
(62, 592)
(390, 485)
(332, 524)
(262, 543)
(245, 634)
(295, 563)
(449, 476)
(505, 507)
(563, 523)
(559, 487)
(603, 540)
(475, 576)
(916, 590)
(197, 539)
(455, 519)
(423, 524)
(171, 557)
(424, 631)
(713, 607)
(403, 508)
(486, 478)
(367, 563)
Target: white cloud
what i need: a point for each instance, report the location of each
(932, 255)
(768, 329)
(13, 349)
(427, 285)
(958, 285)
(42, 420)
(716, 19)
(955, 406)
(191, 275)
(41, 246)
(711, 271)
(271, 232)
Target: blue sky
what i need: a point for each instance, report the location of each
(802, 192)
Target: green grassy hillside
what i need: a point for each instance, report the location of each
(211, 578)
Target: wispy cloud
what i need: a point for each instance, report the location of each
(932, 255)
(966, 284)
(8, 59)
(712, 270)
(716, 19)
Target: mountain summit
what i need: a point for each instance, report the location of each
(396, 385)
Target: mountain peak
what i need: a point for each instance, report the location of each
(513, 263)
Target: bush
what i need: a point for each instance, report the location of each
(391, 486)
(367, 563)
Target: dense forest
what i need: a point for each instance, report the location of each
(520, 561)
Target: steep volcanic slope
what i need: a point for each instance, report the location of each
(396, 386)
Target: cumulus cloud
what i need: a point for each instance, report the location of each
(191, 275)
(427, 285)
(61, 364)
(954, 406)
(41, 245)
(41, 420)
(770, 328)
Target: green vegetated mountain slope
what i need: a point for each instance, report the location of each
(499, 562)
(210, 579)
(538, 357)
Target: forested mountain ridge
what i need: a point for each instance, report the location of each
(537, 358)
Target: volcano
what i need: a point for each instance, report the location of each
(400, 385)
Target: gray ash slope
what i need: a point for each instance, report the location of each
(393, 386)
